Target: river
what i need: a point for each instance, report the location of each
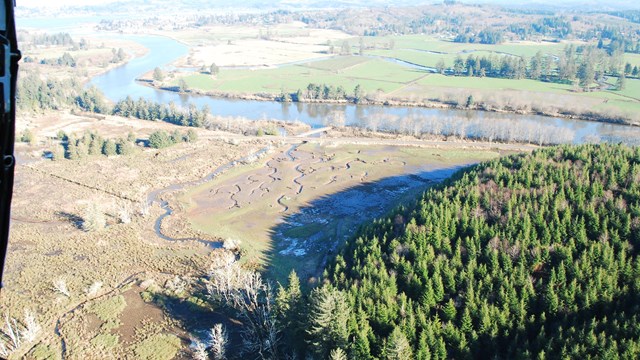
(120, 82)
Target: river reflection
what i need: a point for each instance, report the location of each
(120, 82)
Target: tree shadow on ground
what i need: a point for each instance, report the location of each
(73, 219)
(197, 314)
(305, 240)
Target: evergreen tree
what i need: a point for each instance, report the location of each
(337, 354)
(621, 83)
(397, 347)
(124, 147)
(519, 256)
(328, 318)
(109, 148)
(158, 75)
(214, 69)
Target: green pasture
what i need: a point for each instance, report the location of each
(370, 74)
(375, 73)
(486, 83)
(633, 59)
(448, 47)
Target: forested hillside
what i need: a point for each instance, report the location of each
(529, 256)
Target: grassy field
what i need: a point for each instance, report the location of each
(48, 245)
(378, 75)
(633, 59)
(437, 80)
(371, 74)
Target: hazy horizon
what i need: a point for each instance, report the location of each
(570, 4)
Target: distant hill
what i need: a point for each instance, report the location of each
(529, 256)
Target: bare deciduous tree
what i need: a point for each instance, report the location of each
(31, 327)
(124, 213)
(199, 350)
(60, 285)
(177, 285)
(94, 288)
(93, 218)
(252, 298)
(15, 333)
(218, 342)
(144, 207)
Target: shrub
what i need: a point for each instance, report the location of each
(27, 136)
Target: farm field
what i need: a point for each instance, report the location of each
(382, 72)
(254, 46)
(371, 74)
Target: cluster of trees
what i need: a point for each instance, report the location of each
(631, 70)
(631, 15)
(36, 94)
(586, 64)
(118, 55)
(161, 139)
(45, 39)
(557, 27)
(148, 110)
(323, 92)
(35, 40)
(92, 100)
(65, 60)
(486, 36)
(90, 144)
(528, 256)
(51, 94)
(212, 70)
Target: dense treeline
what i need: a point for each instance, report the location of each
(586, 65)
(45, 39)
(528, 256)
(65, 60)
(460, 21)
(148, 110)
(36, 94)
(631, 15)
(486, 36)
(92, 143)
(557, 27)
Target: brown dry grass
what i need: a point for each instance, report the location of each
(46, 243)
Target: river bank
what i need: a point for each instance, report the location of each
(588, 115)
(375, 113)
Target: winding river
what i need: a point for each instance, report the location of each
(120, 82)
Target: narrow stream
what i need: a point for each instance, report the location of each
(156, 197)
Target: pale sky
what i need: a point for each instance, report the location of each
(58, 3)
